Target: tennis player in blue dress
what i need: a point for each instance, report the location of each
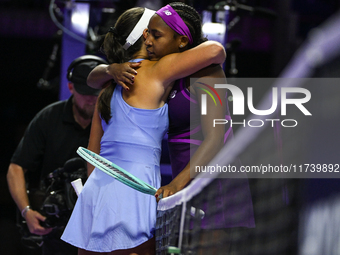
(109, 216)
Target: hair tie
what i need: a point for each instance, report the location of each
(113, 30)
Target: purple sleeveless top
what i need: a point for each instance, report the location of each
(184, 138)
(185, 126)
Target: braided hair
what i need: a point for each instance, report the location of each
(113, 49)
(192, 19)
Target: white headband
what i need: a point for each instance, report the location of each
(137, 31)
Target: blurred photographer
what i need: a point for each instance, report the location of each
(50, 140)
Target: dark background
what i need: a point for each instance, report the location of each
(27, 37)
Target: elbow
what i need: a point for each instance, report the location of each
(14, 170)
(96, 77)
(90, 82)
(11, 173)
(219, 53)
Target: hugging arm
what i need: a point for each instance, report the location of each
(169, 68)
(122, 74)
(179, 65)
(213, 136)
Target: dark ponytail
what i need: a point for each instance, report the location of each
(113, 49)
(192, 19)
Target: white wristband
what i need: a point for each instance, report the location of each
(25, 210)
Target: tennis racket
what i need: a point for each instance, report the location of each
(122, 175)
(115, 171)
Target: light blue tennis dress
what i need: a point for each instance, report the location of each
(109, 215)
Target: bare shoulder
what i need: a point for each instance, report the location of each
(147, 66)
(147, 63)
(154, 71)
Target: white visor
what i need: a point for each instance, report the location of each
(137, 31)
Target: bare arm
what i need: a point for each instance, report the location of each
(213, 136)
(167, 69)
(179, 65)
(95, 136)
(17, 187)
(122, 74)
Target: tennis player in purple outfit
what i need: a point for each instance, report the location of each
(127, 129)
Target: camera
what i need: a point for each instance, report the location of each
(55, 199)
(60, 197)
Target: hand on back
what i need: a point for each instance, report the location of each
(123, 74)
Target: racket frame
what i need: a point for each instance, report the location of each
(105, 165)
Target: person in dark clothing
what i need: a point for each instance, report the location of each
(50, 140)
